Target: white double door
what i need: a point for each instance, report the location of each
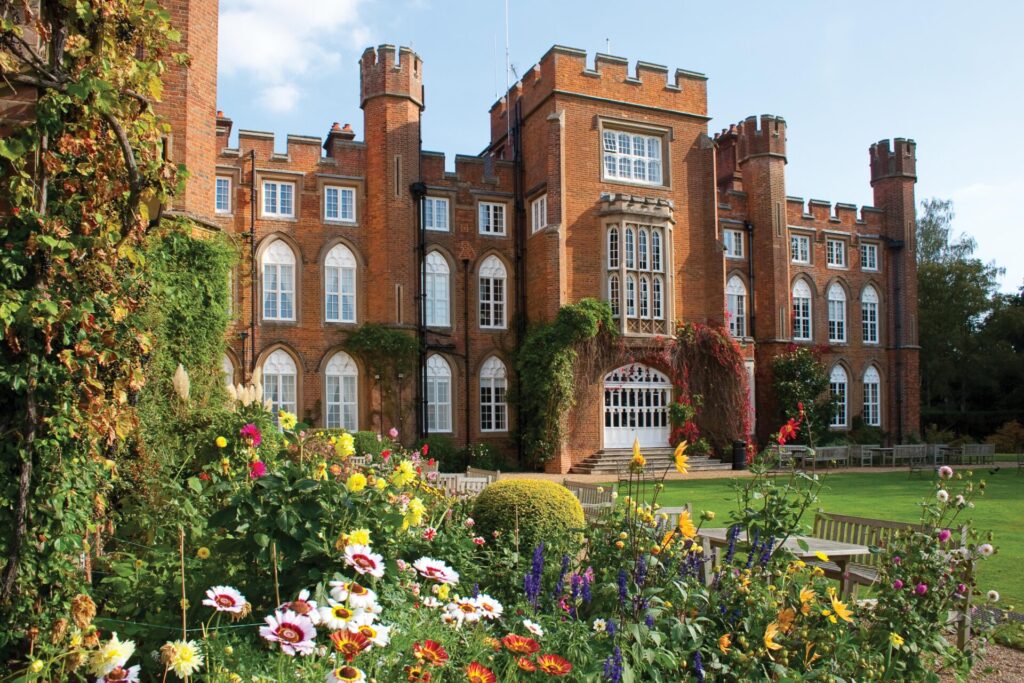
(636, 400)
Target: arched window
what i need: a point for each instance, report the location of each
(836, 313)
(801, 310)
(656, 250)
(341, 385)
(645, 296)
(439, 395)
(493, 385)
(340, 285)
(613, 247)
(279, 382)
(642, 249)
(492, 293)
(629, 247)
(869, 314)
(613, 293)
(228, 369)
(872, 397)
(657, 298)
(736, 303)
(631, 295)
(837, 383)
(278, 282)
(437, 279)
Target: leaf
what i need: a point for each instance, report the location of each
(193, 483)
(305, 485)
(262, 540)
(803, 544)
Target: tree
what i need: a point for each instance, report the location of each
(956, 293)
(800, 378)
(83, 176)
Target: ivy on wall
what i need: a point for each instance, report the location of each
(390, 356)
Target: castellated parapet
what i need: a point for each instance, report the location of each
(898, 160)
(392, 71)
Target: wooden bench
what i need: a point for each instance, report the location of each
(840, 455)
(594, 499)
(978, 453)
(861, 454)
(863, 570)
(490, 475)
(907, 453)
(919, 459)
(459, 485)
(359, 460)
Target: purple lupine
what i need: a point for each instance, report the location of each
(560, 583)
(766, 551)
(587, 578)
(734, 533)
(613, 666)
(623, 587)
(754, 545)
(610, 627)
(476, 590)
(698, 667)
(532, 582)
(649, 621)
(641, 571)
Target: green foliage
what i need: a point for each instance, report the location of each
(389, 356)
(483, 456)
(442, 448)
(864, 433)
(799, 377)
(545, 364)
(79, 176)
(539, 510)
(368, 443)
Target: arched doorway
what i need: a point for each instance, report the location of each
(636, 400)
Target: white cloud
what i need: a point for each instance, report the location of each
(280, 98)
(988, 212)
(277, 41)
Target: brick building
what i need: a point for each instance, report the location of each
(598, 181)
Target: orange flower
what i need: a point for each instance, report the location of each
(769, 636)
(786, 618)
(416, 674)
(520, 644)
(478, 673)
(349, 644)
(494, 643)
(724, 643)
(525, 664)
(553, 665)
(430, 652)
(686, 527)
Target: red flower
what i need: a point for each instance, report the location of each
(554, 665)
(478, 673)
(425, 449)
(257, 470)
(385, 454)
(520, 644)
(203, 476)
(525, 664)
(430, 652)
(429, 533)
(416, 674)
(349, 644)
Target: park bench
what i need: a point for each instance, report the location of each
(907, 453)
(359, 460)
(491, 475)
(978, 453)
(460, 485)
(860, 453)
(919, 459)
(594, 499)
(840, 455)
(863, 570)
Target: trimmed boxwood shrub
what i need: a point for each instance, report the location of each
(545, 511)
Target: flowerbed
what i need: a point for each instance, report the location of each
(303, 565)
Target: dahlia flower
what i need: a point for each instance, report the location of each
(114, 654)
(986, 550)
(993, 596)
(942, 495)
(945, 472)
(295, 633)
(225, 599)
(251, 433)
(364, 560)
(436, 570)
(182, 657)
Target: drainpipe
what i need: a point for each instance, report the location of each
(519, 230)
(465, 340)
(252, 267)
(896, 246)
(419, 191)
(749, 227)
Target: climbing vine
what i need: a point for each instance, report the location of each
(545, 363)
(390, 357)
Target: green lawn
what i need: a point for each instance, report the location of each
(895, 496)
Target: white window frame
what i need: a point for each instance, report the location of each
(340, 275)
(493, 396)
(278, 266)
(839, 387)
(277, 210)
(837, 314)
(342, 192)
(539, 213)
(733, 240)
(835, 253)
(491, 216)
(493, 294)
(803, 310)
(439, 395)
(281, 382)
(437, 290)
(869, 264)
(226, 208)
(632, 157)
(341, 393)
(872, 397)
(869, 315)
(431, 220)
(736, 304)
(800, 248)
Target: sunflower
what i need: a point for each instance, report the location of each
(553, 665)
(682, 460)
(769, 636)
(478, 673)
(841, 610)
(686, 527)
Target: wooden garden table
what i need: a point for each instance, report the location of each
(883, 452)
(840, 553)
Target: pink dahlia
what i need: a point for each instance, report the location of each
(251, 434)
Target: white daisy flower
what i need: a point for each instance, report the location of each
(488, 607)
(431, 601)
(303, 606)
(346, 674)
(337, 616)
(225, 599)
(533, 628)
(364, 560)
(182, 657)
(993, 596)
(600, 625)
(114, 654)
(356, 595)
(986, 550)
(294, 633)
(379, 635)
(942, 495)
(436, 570)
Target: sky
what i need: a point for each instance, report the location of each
(950, 75)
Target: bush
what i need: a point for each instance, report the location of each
(368, 443)
(484, 456)
(1009, 438)
(443, 450)
(543, 510)
(863, 433)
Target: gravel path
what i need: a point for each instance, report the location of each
(999, 665)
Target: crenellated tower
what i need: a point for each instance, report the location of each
(893, 176)
(391, 96)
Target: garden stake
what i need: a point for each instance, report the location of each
(273, 562)
(181, 554)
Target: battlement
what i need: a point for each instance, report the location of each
(392, 71)
(896, 161)
(821, 213)
(565, 69)
(764, 137)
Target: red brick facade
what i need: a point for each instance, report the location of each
(611, 150)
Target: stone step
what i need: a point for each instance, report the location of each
(616, 461)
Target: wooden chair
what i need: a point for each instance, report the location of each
(594, 499)
(918, 460)
(861, 454)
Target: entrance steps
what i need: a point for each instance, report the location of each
(616, 461)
